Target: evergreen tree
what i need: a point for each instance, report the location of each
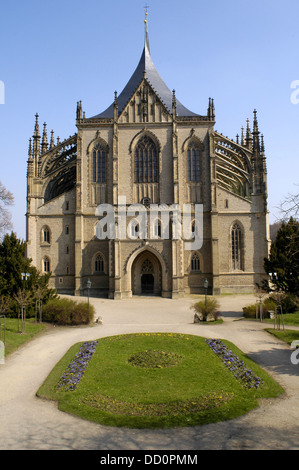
(284, 258)
(13, 263)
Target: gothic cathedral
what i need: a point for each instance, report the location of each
(147, 148)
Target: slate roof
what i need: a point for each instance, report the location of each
(152, 76)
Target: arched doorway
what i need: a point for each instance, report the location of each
(146, 275)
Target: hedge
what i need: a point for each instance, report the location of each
(68, 312)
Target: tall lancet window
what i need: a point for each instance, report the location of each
(193, 155)
(99, 164)
(146, 161)
(236, 237)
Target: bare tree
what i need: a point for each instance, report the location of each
(290, 206)
(6, 200)
(4, 304)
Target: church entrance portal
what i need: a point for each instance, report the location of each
(146, 275)
(147, 283)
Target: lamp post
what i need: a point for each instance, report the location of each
(88, 285)
(24, 276)
(206, 285)
(278, 314)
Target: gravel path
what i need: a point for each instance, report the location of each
(29, 423)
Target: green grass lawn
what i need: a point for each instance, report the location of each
(14, 339)
(285, 335)
(289, 319)
(184, 383)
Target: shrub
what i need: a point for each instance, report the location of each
(205, 309)
(68, 312)
(288, 302)
(250, 310)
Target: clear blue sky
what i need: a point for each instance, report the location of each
(243, 54)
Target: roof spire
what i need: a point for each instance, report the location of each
(146, 38)
(44, 146)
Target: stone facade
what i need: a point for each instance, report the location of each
(148, 148)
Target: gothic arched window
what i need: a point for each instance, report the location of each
(157, 229)
(193, 160)
(99, 264)
(236, 240)
(195, 262)
(46, 264)
(45, 235)
(146, 161)
(99, 164)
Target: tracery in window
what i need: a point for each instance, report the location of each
(195, 262)
(146, 161)
(193, 161)
(147, 267)
(236, 240)
(99, 164)
(99, 264)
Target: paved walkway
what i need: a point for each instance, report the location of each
(27, 422)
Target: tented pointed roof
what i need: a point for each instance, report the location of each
(146, 69)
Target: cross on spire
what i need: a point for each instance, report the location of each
(146, 7)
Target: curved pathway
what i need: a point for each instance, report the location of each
(27, 422)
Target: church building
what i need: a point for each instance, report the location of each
(148, 149)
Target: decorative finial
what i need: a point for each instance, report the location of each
(79, 110)
(30, 149)
(45, 139)
(146, 40)
(36, 128)
(52, 143)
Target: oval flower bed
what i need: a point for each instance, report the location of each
(174, 380)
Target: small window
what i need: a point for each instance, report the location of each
(99, 264)
(134, 229)
(67, 205)
(146, 201)
(194, 229)
(46, 265)
(195, 263)
(67, 250)
(67, 229)
(157, 229)
(46, 235)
